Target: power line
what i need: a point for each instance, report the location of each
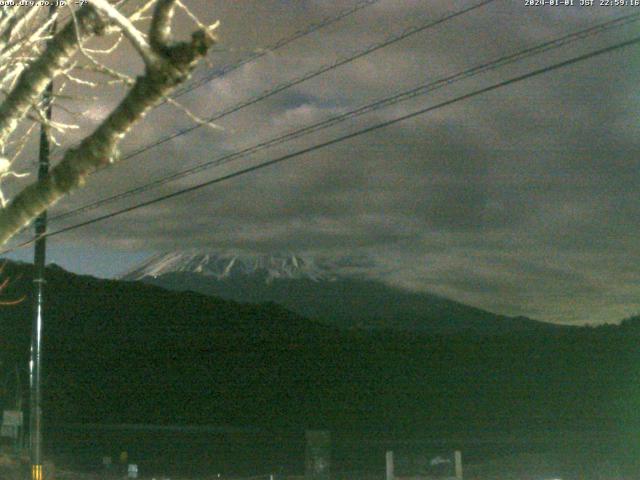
(378, 126)
(389, 41)
(218, 73)
(311, 28)
(384, 102)
(308, 76)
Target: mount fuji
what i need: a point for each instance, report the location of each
(337, 291)
(229, 264)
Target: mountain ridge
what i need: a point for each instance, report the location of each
(235, 263)
(129, 352)
(336, 291)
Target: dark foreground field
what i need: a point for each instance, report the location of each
(249, 456)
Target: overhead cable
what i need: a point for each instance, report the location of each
(370, 107)
(342, 138)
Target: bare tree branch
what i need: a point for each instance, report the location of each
(129, 30)
(174, 65)
(35, 78)
(160, 34)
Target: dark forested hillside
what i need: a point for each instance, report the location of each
(354, 303)
(129, 352)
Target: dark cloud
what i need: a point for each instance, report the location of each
(521, 201)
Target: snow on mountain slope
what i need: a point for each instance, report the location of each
(339, 291)
(233, 264)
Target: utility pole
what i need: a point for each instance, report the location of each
(35, 363)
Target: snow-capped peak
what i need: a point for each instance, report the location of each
(228, 264)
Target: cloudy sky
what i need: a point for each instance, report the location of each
(522, 201)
